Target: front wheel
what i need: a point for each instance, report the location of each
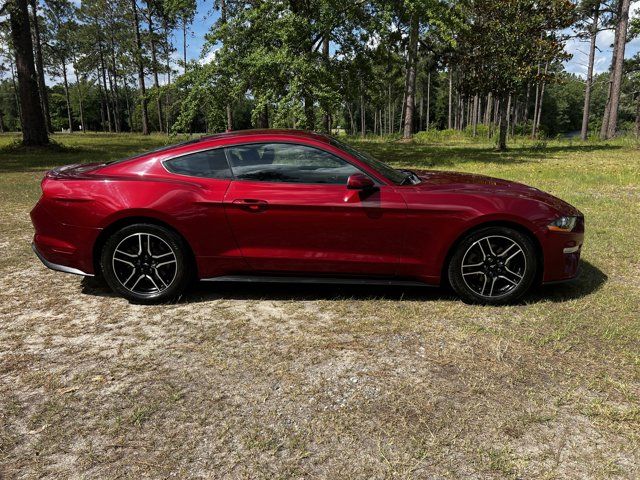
(493, 266)
(146, 263)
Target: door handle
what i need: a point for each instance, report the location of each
(251, 204)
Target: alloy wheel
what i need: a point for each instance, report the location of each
(493, 266)
(144, 264)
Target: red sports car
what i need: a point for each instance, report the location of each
(292, 206)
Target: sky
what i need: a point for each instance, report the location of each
(202, 23)
(580, 50)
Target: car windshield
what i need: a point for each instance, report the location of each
(396, 176)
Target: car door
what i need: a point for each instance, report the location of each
(290, 211)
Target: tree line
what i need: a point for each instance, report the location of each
(387, 67)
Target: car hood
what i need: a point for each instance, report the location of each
(480, 184)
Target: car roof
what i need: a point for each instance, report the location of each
(282, 132)
(241, 135)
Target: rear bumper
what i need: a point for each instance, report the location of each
(56, 266)
(60, 246)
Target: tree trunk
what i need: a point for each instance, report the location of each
(449, 118)
(375, 121)
(487, 110)
(352, 122)
(617, 73)
(66, 95)
(167, 44)
(104, 86)
(143, 92)
(309, 112)
(363, 120)
(526, 103)
(410, 93)
(102, 101)
(263, 118)
(508, 114)
(587, 88)
(638, 116)
(34, 130)
(184, 43)
(113, 86)
(402, 107)
(503, 112)
(428, 98)
(325, 55)
(80, 93)
(16, 93)
(390, 112)
(229, 117)
(42, 86)
(127, 103)
(535, 105)
(474, 120)
(154, 65)
(607, 107)
(539, 114)
(229, 108)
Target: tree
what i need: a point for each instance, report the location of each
(504, 43)
(610, 120)
(140, 67)
(154, 8)
(184, 11)
(42, 87)
(439, 22)
(592, 20)
(273, 51)
(34, 129)
(61, 23)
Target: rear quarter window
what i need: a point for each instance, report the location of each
(205, 164)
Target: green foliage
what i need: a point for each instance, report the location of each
(506, 40)
(318, 63)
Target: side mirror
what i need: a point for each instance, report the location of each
(359, 181)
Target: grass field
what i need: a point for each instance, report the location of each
(290, 381)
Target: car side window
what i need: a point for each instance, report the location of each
(207, 164)
(285, 162)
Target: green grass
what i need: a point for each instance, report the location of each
(298, 381)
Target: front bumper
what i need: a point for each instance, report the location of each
(562, 256)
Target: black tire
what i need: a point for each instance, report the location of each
(486, 279)
(147, 252)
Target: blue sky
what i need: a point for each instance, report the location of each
(201, 25)
(580, 50)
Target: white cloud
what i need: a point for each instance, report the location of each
(208, 58)
(580, 50)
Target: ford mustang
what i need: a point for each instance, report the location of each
(293, 206)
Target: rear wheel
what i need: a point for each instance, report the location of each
(146, 263)
(493, 265)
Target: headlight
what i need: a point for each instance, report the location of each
(563, 224)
